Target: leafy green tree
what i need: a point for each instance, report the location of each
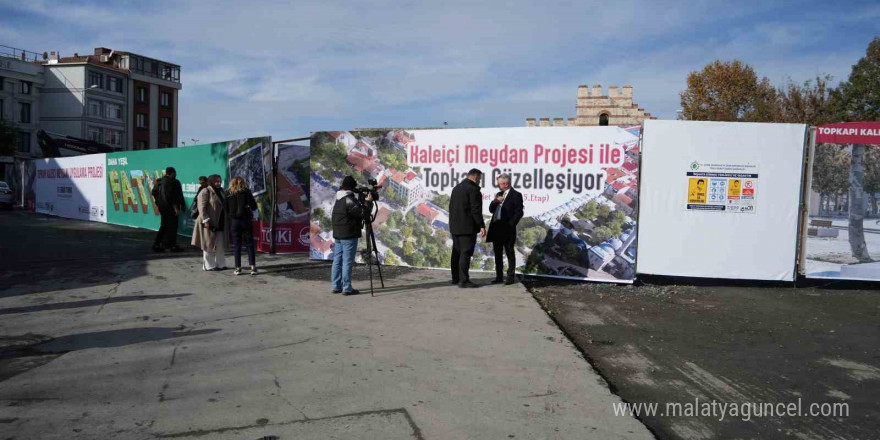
(408, 248)
(589, 211)
(391, 259)
(604, 211)
(490, 264)
(601, 233)
(418, 259)
(441, 200)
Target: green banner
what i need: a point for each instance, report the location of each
(131, 175)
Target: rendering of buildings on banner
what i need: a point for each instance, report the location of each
(595, 109)
(589, 236)
(121, 99)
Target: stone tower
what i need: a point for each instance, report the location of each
(594, 108)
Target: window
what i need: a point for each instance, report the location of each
(2, 80)
(24, 142)
(96, 79)
(166, 99)
(142, 94)
(113, 137)
(95, 108)
(603, 119)
(140, 120)
(26, 87)
(140, 145)
(166, 124)
(114, 84)
(164, 145)
(95, 134)
(25, 110)
(2, 108)
(114, 111)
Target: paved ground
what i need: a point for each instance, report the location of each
(101, 339)
(737, 344)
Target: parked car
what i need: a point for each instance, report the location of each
(5, 195)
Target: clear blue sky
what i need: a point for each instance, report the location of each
(286, 68)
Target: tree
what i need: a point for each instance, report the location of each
(858, 99)
(8, 138)
(441, 200)
(408, 248)
(604, 211)
(727, 91)
(809, 103)
(601, 233)
(590, 211)
(490, 263)
(872, 176)
(830, 171)
(391, 259)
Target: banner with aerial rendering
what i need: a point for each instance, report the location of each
(292, 199)
(579, 187)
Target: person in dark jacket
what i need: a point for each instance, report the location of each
(240, 206)
(465, 221)
(348, 216)
(507, 211)
(168, 194)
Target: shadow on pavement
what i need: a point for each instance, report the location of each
(86, 303)
(116, 338)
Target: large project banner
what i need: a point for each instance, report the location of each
(720, 199)
(292, 199)
(132, 174)
(71, 187)
(579, 186)
(843, 231)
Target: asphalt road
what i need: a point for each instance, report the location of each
(734, 345)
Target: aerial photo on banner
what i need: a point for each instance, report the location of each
(579, 186)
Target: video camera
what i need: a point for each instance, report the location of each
(373, 189)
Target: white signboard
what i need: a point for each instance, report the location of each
(678, 237)
(72, 187)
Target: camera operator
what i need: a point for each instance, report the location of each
(348, 219)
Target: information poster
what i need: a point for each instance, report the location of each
(722, 188)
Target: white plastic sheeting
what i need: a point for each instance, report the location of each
(682, 232)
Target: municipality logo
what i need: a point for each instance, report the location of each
(695, 165)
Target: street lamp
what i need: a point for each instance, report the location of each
(83, 93)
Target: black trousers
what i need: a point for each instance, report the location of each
(243, 229)
(462, 251)
(167, 235)
(501, 248)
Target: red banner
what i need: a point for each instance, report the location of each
(867, 133)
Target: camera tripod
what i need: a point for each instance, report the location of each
(372, 250)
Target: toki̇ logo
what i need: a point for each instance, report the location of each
(695, 165)
(304, 236)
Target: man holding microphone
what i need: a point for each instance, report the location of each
(507, 211)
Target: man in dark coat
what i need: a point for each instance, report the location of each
(507, 210)
(465, 222)
(168, 194)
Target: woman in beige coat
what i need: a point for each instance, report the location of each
(209, 233)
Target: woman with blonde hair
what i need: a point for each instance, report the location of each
(240, 205)
(209, 233)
